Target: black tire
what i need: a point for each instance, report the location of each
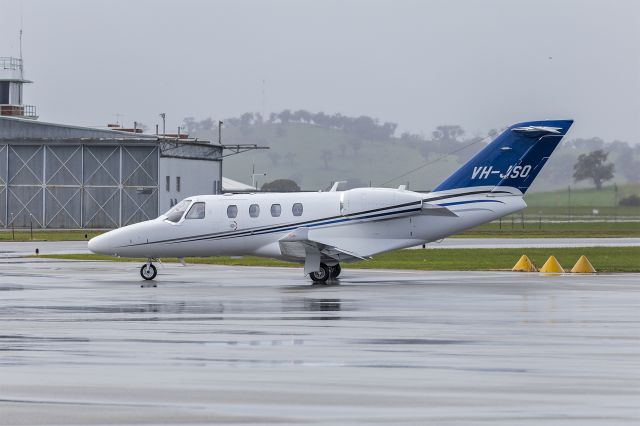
(148, 273)
(322, 275)
(335, 270)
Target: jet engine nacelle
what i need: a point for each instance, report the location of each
(366, 199)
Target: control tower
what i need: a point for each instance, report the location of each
(11, 82)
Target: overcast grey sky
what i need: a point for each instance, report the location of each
(480, 64)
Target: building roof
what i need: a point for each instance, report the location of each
(20, 128)
(230, 185)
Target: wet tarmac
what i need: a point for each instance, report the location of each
(82, 343)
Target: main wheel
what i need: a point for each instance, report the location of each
(322, 275)
(335, 270)
(148, 271)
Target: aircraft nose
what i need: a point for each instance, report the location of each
(99, 245)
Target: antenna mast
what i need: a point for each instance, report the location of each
(21, 62)
(20, 44)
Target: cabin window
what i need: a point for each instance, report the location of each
(168, 183)
(254, 210)
(196, 211)
(175, 214)
(232, 211)
(297, 209)
(177, 183)
(276, 210)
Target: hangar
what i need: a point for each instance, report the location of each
(55, 176)
(69, 177)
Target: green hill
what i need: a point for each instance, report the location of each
(314, 157)
(315, 150)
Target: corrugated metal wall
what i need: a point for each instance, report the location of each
(77, 185)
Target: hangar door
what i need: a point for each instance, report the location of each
(77, 185)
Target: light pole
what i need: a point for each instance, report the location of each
(163, 115)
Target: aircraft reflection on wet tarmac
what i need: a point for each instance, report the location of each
(81, 343)
(286, 305)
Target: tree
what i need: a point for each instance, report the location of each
(285, 116)
(389, 129)
(593, 166)
(190, 124)
(246, 119)
(281, 185)
(304, 115)
(448, 133)
(232, 122)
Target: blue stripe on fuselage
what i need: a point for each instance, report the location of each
(455, 203)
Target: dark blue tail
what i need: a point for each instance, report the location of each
(513, 159)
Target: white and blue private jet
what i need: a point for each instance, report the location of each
(323, 229)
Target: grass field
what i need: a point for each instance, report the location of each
(604, 259)
(515, 229)
(8, 235)
(582, 202)
(584, 197)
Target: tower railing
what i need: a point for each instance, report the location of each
(23, 111)
(9, 63)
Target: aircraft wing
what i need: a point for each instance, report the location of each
(297, 244)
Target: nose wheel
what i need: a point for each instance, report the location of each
(148, 271)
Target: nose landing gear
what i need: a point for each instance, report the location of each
(148, 271)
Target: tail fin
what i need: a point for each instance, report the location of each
(513, 159)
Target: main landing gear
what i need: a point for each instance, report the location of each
(148, 271)
(325, 273)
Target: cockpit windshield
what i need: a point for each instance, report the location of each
(175, 214)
